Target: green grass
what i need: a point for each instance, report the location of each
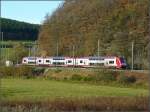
(6, 52)
(38, 89)
(11, 42)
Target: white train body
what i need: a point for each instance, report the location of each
(29, 60)
(114, 62)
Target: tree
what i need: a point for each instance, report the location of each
(19, 51)
(115, 23)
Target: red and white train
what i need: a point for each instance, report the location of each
(108, 62)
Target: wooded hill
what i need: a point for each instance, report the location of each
(115, 23)
(16, 30)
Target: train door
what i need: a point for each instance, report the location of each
(110, 62)
(47, 61)
(106, 63)
(69, 62)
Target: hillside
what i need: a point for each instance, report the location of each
(16, 30)
(115, 23)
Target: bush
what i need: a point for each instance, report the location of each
(23, 71)
(38, 71)
(126, 79)
(131, 79)
(88, 78)
(76, 77)
(105, 76)
(17, 71)
(7, 71)
(58, 70)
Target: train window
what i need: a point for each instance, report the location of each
(122, 60)
(58, 58)
(96, 58)
(81, 61)
(69, 61)
(47, 61)
(31, 62)
(111, 62)
(58, 63)
(39, 60)
(97, 64)
(31, 58)
(93, 64)
(100, 64)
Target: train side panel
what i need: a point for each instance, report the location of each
(82, 62)
(108, 62)
(29, 60)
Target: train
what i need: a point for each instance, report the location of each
(86, 62)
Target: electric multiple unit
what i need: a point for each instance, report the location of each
(110, 62)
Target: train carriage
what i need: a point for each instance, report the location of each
(96, 61)
(29, 61)
(108, 62)
(82, 62)
(70, 61)
(44, 61)
(58, 61)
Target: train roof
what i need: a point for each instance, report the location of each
(31, 58)
(62, 58)
(98, 57)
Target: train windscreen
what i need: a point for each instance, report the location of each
(122, 60)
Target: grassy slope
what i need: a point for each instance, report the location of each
(7, 52)
(23, 89)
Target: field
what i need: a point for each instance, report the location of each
(40, 95)
(6, 53)
(7, 50)
(15, 42)
(37, 89)
(32, 89)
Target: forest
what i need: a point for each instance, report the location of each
(118, 25)
(16, 30)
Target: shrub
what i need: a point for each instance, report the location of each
(126, 79)
(88, 78)
(76, 77)
(65, 78)
(58, 70)
(23, 71)
(7, 71)
(105, 76)
(38, 71)
(131, 79)
(17, 71)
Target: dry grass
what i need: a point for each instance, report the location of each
(89, 72)
(139, 76)
(84, 104)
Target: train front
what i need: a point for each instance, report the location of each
(123, 63)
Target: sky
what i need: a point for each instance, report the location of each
(28, 11)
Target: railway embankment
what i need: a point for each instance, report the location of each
(111, 77)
